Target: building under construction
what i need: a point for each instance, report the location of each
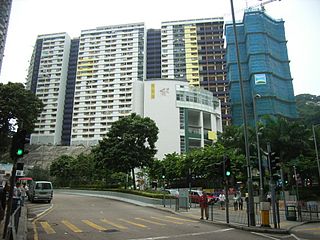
(267, 82)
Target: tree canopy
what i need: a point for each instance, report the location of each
(18, 108)
(129, 143)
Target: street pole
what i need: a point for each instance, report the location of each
(273, 193)
(316, 148)
(252, 221)
(258, 146)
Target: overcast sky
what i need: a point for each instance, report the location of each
(30, 18)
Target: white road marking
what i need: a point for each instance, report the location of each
(183, 235)
(266, 236)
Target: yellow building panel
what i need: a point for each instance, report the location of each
(153, 91)
(212, 135)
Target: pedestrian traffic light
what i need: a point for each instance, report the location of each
(227, 167)
(275, 167)
(274, 163)
(17, 145)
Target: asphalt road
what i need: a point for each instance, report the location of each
(82, 217)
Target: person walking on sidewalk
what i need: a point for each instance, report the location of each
(204, 205)
(222, 199)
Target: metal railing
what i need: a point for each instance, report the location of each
(13, 225)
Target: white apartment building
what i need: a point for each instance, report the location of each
(47, 78)
(187, 117)
(110, 60)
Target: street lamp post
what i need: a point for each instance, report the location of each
(251, 215)
(316, 149)
(258, 145)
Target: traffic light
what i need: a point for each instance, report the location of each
(17, 145)
(163, 173)
(227, 167)
(275, 167)
(274, 163)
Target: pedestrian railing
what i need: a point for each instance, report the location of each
(308, 213)
(13, 225)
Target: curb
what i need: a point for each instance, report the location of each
(303, 223)
(241, 227)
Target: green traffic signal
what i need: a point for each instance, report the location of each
(228, 173)
(19, 152)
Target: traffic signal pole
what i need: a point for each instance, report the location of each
(17, 151)
(272, 189)
(9, 205)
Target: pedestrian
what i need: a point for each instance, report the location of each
(269, 197)
(222, 199)
(203, 200)
(16, 197)
(2, 203)
(235, 202)
(23, 190)
(240, 203)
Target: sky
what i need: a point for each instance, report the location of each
(30, 18)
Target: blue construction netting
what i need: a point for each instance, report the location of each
(265, 68)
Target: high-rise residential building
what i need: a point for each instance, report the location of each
(110, 60)
(47, 78)
(267, 81)
(5, 9)
(193, 50)
(102, 69)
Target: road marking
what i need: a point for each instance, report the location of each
(93, 225)
(133, 223)
(166, 220)
(294, 236)
(71, 226)
(308, 229)
(183, 235)
(47, 228)
(181, 219)
(113, 224)
(35, 219)
(149, 221)
(264, 235)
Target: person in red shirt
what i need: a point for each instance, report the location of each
(204, 205)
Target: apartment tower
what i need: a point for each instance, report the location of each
(5, 9)
(193, 50)
(110, 59)
(47, 78)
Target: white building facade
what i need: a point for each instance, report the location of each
(110, 60)
(47, 78)
(187, 117)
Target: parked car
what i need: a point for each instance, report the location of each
(195, 195)
(41, 191)
(213, 197)
(172, 192)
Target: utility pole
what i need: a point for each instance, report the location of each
(316, 149)
(252, 221)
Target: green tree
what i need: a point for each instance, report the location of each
(62, 169)
(18, 108)
(130, 143)
(38, 173)
(83, 169)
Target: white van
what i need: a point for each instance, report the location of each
(41, 191)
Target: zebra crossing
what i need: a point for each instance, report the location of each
(105, 225)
